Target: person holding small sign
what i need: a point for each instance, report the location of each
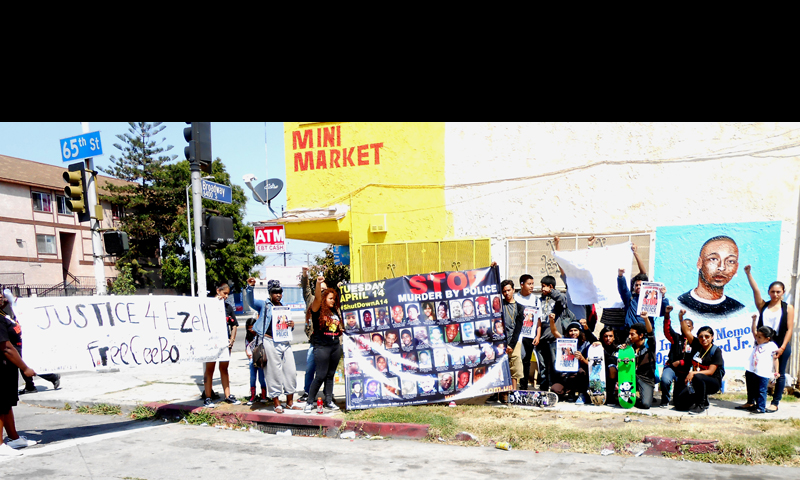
(281, 371)
(571, 384)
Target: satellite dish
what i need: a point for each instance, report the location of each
(275, 187)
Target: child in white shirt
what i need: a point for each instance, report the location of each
(762, 368)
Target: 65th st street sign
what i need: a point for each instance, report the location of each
(81, 146)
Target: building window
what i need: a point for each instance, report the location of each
(116, 211)
(46, 244)
(61, 204)
(42, 202)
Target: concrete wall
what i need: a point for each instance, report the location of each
(543, 178)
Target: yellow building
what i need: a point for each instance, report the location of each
(379, 188)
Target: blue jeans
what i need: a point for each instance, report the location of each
(257, 371)
(756, 390)
(311, 367)
(667, 376)
(780, 383)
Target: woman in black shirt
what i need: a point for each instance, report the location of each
(708, 369)
(327, 320)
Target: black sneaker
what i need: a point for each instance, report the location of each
(208, 403)
(303, 398)
(232, 400)
(57, 383)
(697, 410)
(330, 405)
(26, 390)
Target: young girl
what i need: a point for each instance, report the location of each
(250, 338)
(763, 367)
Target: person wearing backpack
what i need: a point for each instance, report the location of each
(251, 340)
(708, 370)
(779, 316)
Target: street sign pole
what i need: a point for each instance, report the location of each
(94, 223)
(197, 202)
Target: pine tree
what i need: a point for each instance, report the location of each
(150, 202)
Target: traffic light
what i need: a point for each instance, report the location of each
(116, 242)
(76, 191)
(217, 232)
(198, 134)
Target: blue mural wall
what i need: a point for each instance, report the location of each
(676, 266)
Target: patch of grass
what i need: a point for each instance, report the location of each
(742, 397)
(142, 412)
(100, 409)
(201, 417)
(67, 406)
(439, 418)
(740, 441)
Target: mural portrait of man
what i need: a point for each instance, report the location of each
(716, 266)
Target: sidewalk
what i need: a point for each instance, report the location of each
(179, 386)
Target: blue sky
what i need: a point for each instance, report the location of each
(240, 146)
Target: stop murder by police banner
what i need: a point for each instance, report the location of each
(424, 339)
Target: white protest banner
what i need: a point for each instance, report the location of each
(64, 334)
(280, 324)
(592, 273)
(270, 239)
(530, 321)
(650, 299)
(566, 361)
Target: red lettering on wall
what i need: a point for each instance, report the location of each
(362, 154)
(327, 137)
(303, 163)
(338, 135)
(377, 147)
(457, 281)
(307, 141)
(318, 141)
(418, 285)
(335, 155)
(321, 159)
(347, 157)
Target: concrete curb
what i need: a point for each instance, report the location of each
(332, 426)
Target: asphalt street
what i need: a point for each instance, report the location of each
(76, 445)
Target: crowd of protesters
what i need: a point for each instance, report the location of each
(693, 369)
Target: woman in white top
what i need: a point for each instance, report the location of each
(778, 315)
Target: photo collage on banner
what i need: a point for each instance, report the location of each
(424, 339)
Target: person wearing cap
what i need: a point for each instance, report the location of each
(281, 371)
(571, 385)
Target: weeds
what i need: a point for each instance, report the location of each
(142, 412)
(100, 409)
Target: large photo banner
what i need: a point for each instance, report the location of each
(424, 339)
(64, 334)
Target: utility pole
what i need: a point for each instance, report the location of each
(94, 223)
(198, 134)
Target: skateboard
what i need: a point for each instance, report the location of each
(626, 376)
(597, 375)
(532, 398)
